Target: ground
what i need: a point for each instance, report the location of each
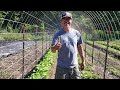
(53, 70)
(11, 66)
(16, 66)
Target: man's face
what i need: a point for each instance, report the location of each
(66, 22)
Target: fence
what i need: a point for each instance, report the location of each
(25, 36)
(20, 56)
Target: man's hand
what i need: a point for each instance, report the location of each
(57, 46)
(82, 65)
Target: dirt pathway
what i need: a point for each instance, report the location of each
(53, 70)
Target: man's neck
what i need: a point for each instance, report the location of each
(67, 29)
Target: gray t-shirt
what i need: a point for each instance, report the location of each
(67, 55)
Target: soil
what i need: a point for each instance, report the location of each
(53, 70)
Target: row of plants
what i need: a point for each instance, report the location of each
(15, 36)
(27, 36)
(112, 68)
(110, 50)
(113, 44)
(103, 35)
(88, 73)
(42, 70)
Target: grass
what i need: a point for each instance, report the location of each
(15, 36)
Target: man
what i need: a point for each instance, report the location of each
(67, 42)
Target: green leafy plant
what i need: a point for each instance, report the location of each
(42, 69)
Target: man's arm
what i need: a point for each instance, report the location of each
(81, 53)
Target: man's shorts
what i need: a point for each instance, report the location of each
(65, 73)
